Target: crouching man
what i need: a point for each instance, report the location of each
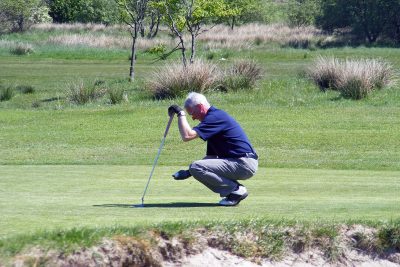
(230, 156)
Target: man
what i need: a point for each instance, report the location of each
(230, 156)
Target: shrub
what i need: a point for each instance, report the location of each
(116, 95)
(157, 49)
(95, 11)
(21, 49)
(243, 74)
(6, 93)
(303, 12)
(80, 93)
(352, 78)
(173, 80)
(26, 89)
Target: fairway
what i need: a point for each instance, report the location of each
(78, 141)
(57, 197)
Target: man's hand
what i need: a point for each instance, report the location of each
(174, 109)
(181, 175)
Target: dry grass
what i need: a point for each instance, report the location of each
(105, 41)
(221, 36)
(173, 80)
(77, 27)
(353, 78)
(255, 34)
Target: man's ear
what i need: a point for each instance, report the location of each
(202, 108)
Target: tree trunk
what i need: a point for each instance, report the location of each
(233, 22)
(142, 31)
(183, 51)
(133, 55)
(193, 48)
(151, 27)
(157, 25)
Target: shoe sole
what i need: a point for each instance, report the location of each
(237, 203)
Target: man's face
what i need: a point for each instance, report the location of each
(196, 112)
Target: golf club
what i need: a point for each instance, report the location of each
(156, 159)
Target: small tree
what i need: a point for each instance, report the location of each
(19, 15)
(154, 16)
(133, 13)
(192, 16)
(240, 8)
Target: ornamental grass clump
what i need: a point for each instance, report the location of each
(174, 80)
(353, 78)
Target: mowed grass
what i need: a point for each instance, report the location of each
(323, 158)
(300, 137)
(34, 198)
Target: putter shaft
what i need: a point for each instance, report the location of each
(158, 155)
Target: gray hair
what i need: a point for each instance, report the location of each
(193, 99)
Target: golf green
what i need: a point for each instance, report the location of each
(46, 197)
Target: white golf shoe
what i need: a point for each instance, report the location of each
(235, 197)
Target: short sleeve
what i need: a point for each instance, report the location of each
(208, 128)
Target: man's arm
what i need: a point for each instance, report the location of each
(187, 133)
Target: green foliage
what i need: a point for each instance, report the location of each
(183, 15)
(389, 237)
(85, 11)
(19, 15)
(303, 12)
(158, 49)
(370, 20)
(247, 11)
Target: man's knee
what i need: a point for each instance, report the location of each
(196, 168)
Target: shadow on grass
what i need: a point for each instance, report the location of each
(160, 205)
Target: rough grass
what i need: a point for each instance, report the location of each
(352, 78)
(255, 239)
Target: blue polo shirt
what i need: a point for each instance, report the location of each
(225, 137)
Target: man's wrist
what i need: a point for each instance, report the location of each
(181, 113)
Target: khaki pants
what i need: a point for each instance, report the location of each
(220, 174)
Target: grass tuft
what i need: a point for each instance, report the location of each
(354, 79)
(6, 93)
(21, 49)
(173, 80)
(117, 95)
(243, 74)
(81, 93)
(26, 89)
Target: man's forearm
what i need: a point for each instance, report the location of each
(187, 133)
